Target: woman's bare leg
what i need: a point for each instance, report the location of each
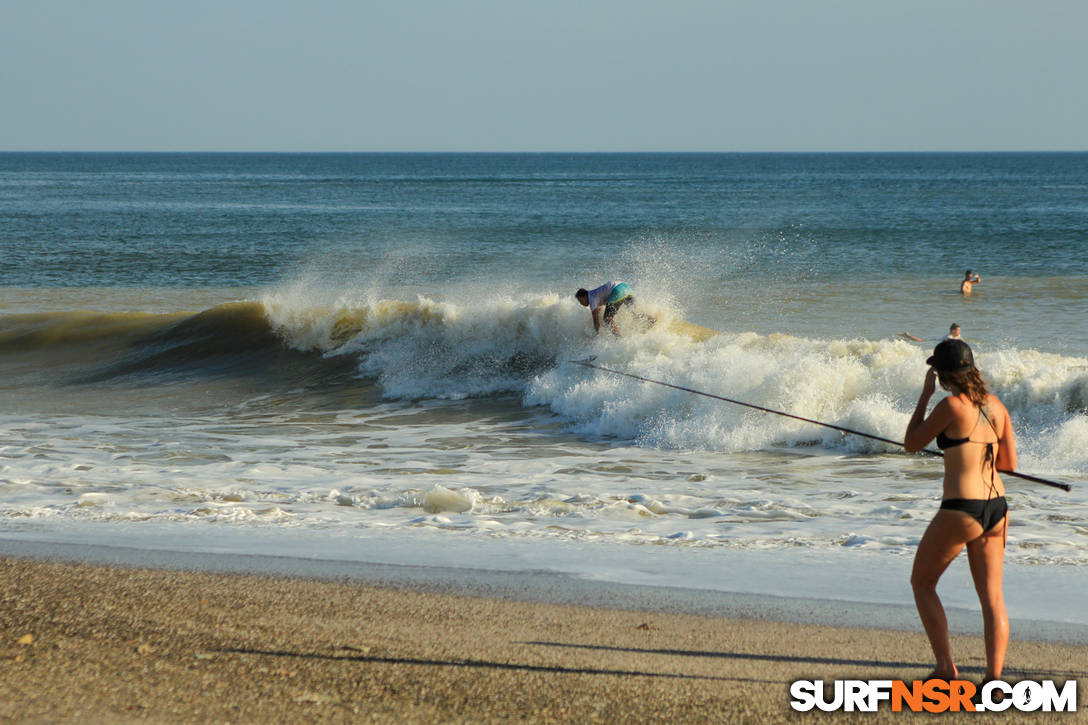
(986, 555)
(942, 542)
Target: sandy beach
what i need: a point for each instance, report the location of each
(107, 644)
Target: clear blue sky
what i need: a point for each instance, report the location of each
(545, 75)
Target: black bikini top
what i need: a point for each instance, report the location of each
(944, 441)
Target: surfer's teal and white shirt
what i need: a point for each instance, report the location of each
(608, 293)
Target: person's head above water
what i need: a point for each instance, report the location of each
(967, 274)
(582, 295)
(954, 330)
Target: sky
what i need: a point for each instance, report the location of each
(546, 75)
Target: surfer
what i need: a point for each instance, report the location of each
(611, 296)
(975, 432)
(953, 334)
(969, 281)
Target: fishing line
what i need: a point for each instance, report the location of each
(587, 363)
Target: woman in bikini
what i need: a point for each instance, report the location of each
(973, 428)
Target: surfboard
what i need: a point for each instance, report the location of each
(644, 320)
(690, 329)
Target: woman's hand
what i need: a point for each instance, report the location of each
(930, 384)
(921, 430)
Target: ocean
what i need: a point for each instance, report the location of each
(366, 359)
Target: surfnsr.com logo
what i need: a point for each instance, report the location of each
(933, 696)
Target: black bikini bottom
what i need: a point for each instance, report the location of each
(988, 512)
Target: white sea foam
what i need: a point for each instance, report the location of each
(444, 350)
(487, 431)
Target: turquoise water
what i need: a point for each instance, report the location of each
(738, 241)
(371, 351)
(175, 220)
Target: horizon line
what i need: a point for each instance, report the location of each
(539, 152)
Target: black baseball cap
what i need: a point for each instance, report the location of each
(951, 356)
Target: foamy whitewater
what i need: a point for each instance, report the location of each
(376, 416)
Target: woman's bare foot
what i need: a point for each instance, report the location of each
(941, 675)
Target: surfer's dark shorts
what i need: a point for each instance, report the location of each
(610, 310)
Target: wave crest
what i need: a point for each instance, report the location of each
(519, 347)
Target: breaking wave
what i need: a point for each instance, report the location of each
(521, 348)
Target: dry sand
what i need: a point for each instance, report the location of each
(94, 644)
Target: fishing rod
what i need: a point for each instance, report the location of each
(587, 363)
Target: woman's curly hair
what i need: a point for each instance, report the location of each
(969, 381)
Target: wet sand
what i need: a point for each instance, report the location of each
(115, 644)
